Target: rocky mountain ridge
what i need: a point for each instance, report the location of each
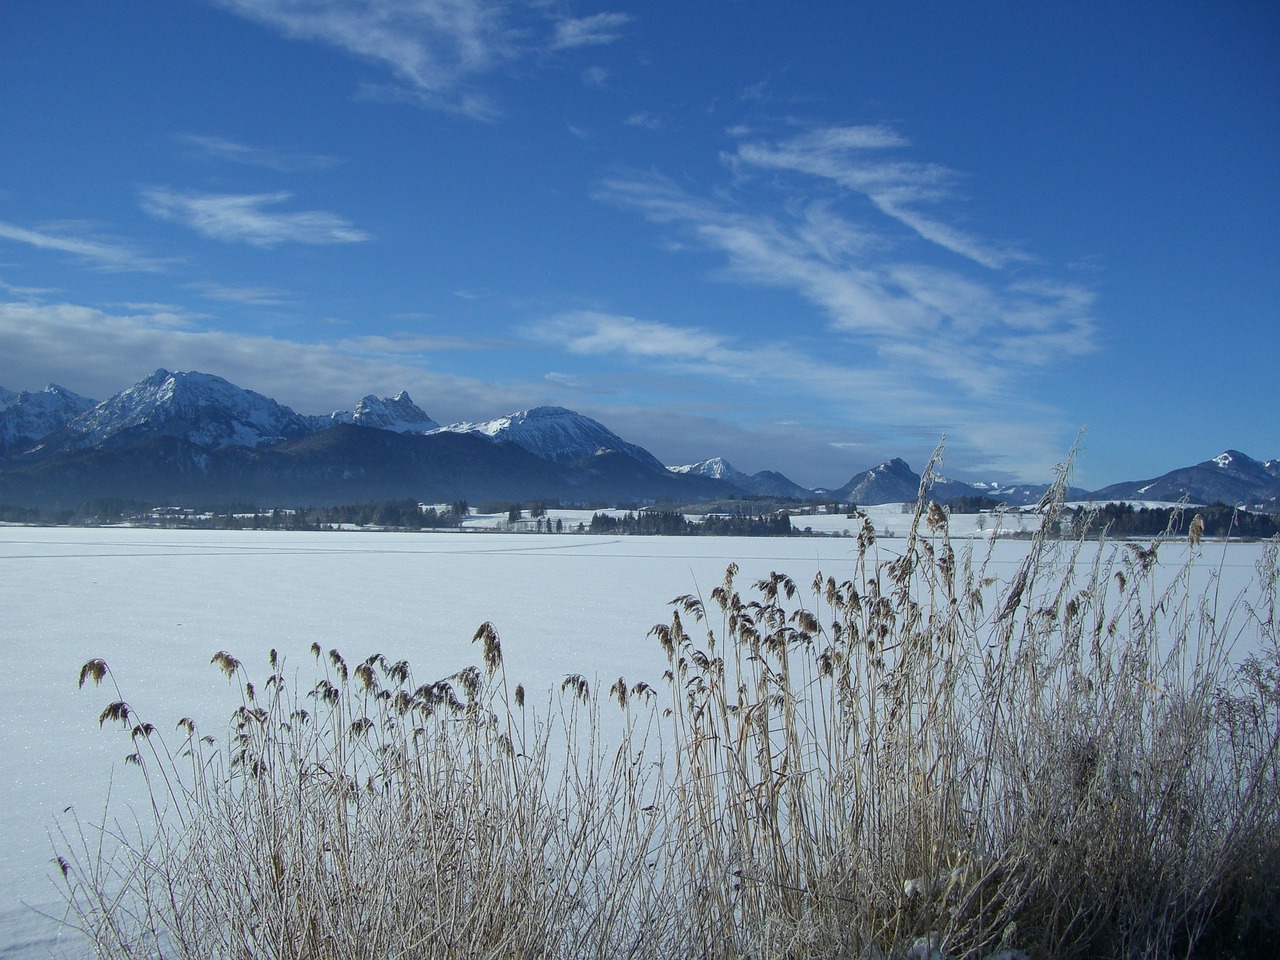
(190, 434)
(27, 418)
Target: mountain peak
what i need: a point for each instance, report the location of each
(718, 468)
(544, 413)
(200, 407)
(27, 418)
(557, 434)
(399, 414)
(1233, 459)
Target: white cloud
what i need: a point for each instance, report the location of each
(283, 161)
(852, 157)
(597, 29)
(644, 119)
(931, 342)
(893, 393)
(415, 344)
(430, 44)
(692, 350)
(98, 353)
(436, 49)
(16, 291)
(595, 76)
(69, 238)
(591, 332)
(243, 217)
(250, 296)
(868, 290)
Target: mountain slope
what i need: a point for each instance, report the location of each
(890, 482)
(557, 435)
(770, 483)
(1231, 478)
(766, 483)
(203, 409)
(342, 464)
(27, 418)
(194, 436)
(398, 414)
(718, 468)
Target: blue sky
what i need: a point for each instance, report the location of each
(803, 236)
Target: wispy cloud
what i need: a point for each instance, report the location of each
(430, 44)
(73, 239)
(14, 290)
(435, 49)
(417, 344)
(854, 157)
(644, 119)
(894, 394)
(245, 218)
(987, 329)
(691, 350)
(249, 296)
(595, 76)
(597, 29)
(270, 158)
(933, 328)
(98, 353)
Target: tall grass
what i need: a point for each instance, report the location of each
(911, 760)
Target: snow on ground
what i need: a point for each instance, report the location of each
(157, 604)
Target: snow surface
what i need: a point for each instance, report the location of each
(157, 604)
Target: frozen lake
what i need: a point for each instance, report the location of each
(156, 604)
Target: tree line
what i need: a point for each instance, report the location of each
(673, 523)
(1126, 520)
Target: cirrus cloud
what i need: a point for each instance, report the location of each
(244, 217)
(435, 49)
(100, 352)
(112, 255)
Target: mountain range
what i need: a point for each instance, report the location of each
(192, 437)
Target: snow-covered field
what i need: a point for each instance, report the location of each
(156, 605)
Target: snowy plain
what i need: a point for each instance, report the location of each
(157, 604)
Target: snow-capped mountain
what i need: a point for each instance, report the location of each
(890, 482)
(1231, 478)
(557, 435)
(26, 418)
(766, 483)
(718, 468)
(194, 434)
(895, 482)
(203, 409)
(399, 414)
